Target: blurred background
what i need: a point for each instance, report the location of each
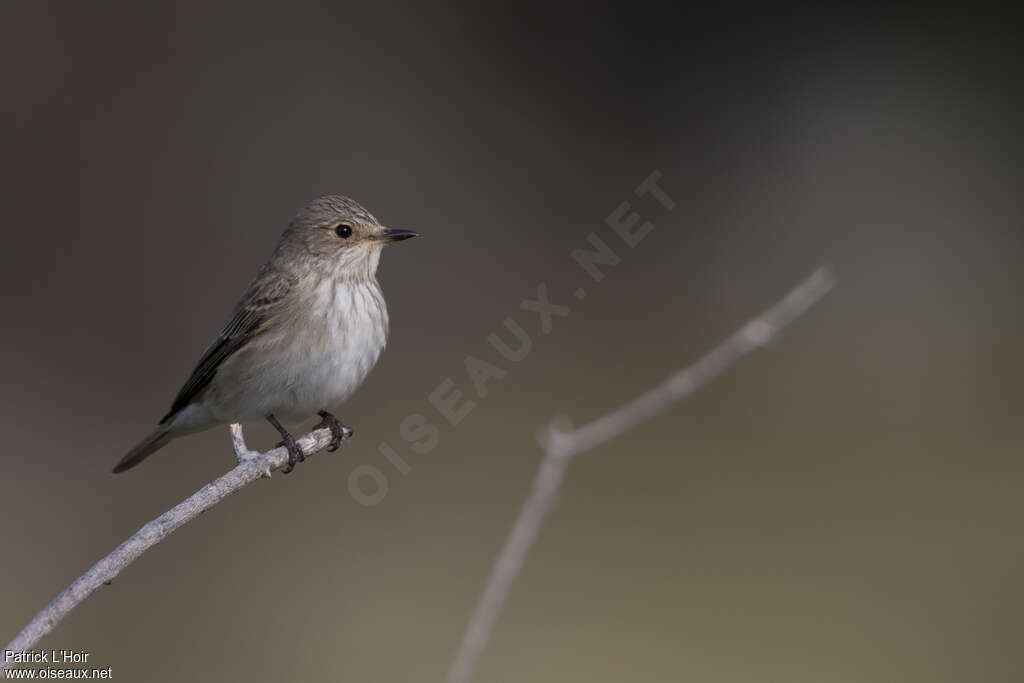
(844, 505)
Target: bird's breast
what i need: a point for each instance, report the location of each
(311, 358)
(340, 334)
(350, 322)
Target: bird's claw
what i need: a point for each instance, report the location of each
(295, 453)
(339, 431)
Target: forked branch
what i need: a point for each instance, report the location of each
(561, 445)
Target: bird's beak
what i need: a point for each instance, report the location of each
(395, 235)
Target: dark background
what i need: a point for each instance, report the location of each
(845, 505)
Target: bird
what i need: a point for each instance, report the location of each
(302, 337)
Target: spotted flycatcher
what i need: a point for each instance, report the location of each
(302, 338)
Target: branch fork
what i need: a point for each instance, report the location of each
(561, 443)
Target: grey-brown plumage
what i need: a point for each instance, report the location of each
(302, 337)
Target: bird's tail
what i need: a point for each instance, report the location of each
(156, 440)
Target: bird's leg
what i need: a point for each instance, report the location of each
(294, 453)
(338, 430)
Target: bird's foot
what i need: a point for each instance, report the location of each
(339, 431)
(295, 453)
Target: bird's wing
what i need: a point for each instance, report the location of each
(262, 301)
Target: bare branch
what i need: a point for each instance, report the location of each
(251, 466)
(561, 445)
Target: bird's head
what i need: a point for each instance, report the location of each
(339, 232)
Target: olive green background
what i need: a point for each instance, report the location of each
(844, 505)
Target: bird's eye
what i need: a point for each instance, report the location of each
(343, 230)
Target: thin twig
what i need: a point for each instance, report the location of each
(251, 466)
(561, 445)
